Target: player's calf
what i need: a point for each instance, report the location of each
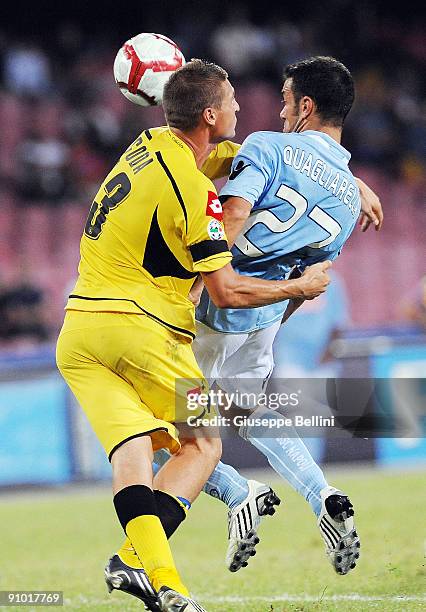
(186, 472)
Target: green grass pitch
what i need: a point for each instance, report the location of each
(61, 541)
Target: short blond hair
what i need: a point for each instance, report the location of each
(191, 89)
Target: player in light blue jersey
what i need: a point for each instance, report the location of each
(290, 201)
(304, 203)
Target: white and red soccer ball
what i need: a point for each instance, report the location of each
(143, 66)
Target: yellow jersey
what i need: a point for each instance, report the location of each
(155, 223)
(218, 163)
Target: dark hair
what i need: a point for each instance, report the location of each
(190, 90)
(328, 82)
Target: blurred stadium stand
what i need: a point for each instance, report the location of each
(63, 123)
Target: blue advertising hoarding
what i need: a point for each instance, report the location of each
(407, 363)
(34, 431)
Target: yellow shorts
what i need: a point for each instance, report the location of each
(122, 368)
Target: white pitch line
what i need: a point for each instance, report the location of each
(284, 597)
(311, 598)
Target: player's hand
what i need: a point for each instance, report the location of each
(371, 208)
(315, 280)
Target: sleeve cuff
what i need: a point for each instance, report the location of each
(207, 248)
(227, 193)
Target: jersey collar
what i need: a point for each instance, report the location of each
(329, 142)
(181, 144)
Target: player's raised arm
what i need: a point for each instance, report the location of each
(228, 289)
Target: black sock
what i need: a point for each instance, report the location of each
(170, 511)
(134, 501)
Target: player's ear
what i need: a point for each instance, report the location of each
(307, 106)
(210, 115)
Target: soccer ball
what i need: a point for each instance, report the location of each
(143, 66)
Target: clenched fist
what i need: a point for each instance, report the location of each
(315, 280)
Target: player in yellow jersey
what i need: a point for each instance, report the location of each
(155, 224)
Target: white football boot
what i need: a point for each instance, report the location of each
(336, 525)
(243, 522)
(172, 601)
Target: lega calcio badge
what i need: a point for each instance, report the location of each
(215, 230)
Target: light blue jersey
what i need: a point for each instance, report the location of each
(305, 205)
